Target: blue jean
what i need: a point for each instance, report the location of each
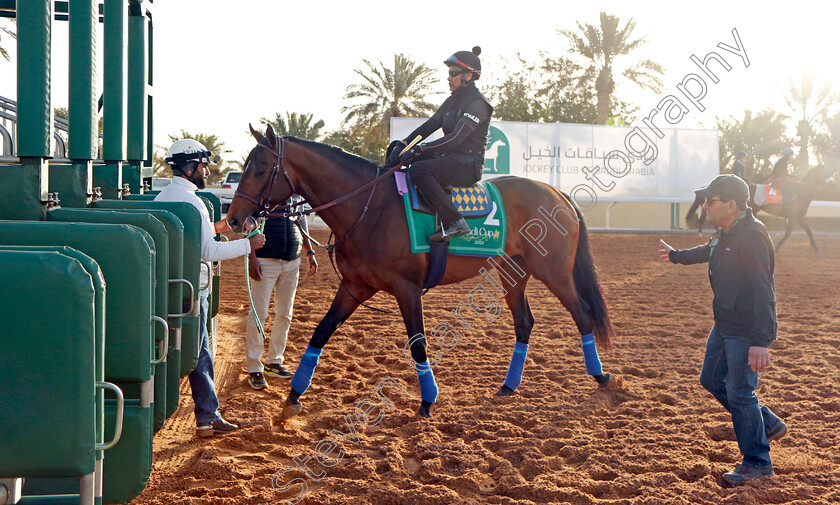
(728, 376)
(202, 382)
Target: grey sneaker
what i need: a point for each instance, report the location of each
(277, 370)
(778, 432)
(217, 427)
(257, 381)
(741, 473)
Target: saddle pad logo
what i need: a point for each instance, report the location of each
(487, 232)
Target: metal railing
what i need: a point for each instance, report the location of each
(8, 135)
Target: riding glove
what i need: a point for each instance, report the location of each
(392, 155)
(411, 155)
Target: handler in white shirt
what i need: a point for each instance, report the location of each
(188, 160)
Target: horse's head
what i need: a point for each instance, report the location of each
(264, 183)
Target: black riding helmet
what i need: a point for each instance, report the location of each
(467, 60)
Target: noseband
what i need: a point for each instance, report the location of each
(263, 203)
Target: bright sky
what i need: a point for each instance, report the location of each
(221, 64)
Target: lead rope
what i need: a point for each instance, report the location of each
(258, 229)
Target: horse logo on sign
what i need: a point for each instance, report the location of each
(497, 153)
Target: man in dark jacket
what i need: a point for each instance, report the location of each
(741, 262)
(274, 268)
(457, 158)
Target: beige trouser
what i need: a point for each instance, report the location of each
(281, 277)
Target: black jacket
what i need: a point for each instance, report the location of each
(465, 120)
(738, 169)
(282, 237)
(741, 275)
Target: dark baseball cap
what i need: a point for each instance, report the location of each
(727, 187)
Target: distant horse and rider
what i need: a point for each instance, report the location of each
(357, 199)
(797, 197)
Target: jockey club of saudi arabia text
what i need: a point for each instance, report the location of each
(639, 143)
(371, 409)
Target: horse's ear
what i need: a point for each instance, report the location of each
(257, 135)
(269, 134)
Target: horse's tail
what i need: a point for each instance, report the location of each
(587, 285)
(691, 215)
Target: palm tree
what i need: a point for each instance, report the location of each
(299, 125)
(760, 135)
(385, 93)
(811, 105)
(3, 52)
(827, 143)
(216, 146)
(603, 45)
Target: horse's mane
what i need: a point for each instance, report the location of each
(335, 154)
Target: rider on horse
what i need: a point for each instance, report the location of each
(780, 178)
(457, 158)
(738, 166)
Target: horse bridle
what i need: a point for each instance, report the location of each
(263, 203)
(287, 210)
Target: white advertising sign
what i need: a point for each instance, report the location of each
(595, 162)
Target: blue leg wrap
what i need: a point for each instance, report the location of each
(517, 364)
(428, 386)
(305, 370)
(590, 355)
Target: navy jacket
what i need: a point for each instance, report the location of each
(741, 275)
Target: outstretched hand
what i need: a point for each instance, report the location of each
(665, 250)
(257, 241)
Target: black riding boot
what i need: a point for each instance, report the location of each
(454, 229)
(453, 223)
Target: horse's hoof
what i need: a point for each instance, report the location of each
(504, 391)
(425, 410)
(290, 410)
(610, 381)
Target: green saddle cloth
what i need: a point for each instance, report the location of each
(486, 236)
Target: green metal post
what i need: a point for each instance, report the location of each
(35, 117)
(677, 216)
(137, 112)
(109, 175)
(73, 182)
(25, 186)
(150, 91)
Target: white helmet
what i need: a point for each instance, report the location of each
(186, 150)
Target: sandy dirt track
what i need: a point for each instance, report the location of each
(661, 440)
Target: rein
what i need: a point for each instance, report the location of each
(288, 210)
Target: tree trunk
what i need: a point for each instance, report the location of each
(802, 161)
(604, 87)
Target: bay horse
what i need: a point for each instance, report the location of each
(546, 238)
(793, 212)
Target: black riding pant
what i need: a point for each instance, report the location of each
(435, 178)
